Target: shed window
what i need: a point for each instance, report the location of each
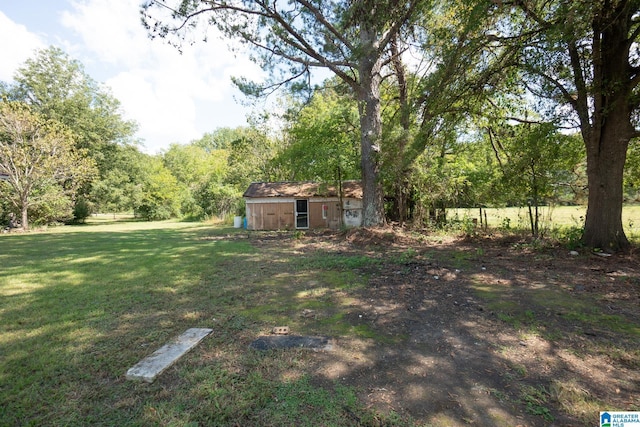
(325, 211)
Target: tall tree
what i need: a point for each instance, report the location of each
(581, 59)
(251, 155)
(39, 158)
(191, 164)
(351, 39)
(58, 88)
(119, 187)
(324, 140)
(160, 194)
(460, 68)
(194, 167)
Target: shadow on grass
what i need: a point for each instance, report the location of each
(502, 338)
(460, 334)
(490, 341)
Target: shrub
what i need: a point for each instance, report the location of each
(81, 210)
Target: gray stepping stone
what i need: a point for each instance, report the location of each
(291, 341)
(152, 366)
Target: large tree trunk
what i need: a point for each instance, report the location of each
(605, 163)
(371, 133)
(607, 136)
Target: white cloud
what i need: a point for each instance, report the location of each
(18, 46)
(164, 114)
(173, 97)
(158, 86)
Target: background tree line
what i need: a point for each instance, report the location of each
(66, 151)
(432, 105)
(575, 64)
(100, 168)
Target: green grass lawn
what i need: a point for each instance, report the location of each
(80, 305)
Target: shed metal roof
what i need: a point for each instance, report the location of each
(307, 189)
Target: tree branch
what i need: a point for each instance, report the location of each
(397, 25)
(332, 29)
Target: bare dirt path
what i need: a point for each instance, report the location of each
(487, 331)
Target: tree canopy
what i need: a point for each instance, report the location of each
(43, 165)
(323, 140)
(351, 39)
(581, 61)
(57, 87)
(433, 104)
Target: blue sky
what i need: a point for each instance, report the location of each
(172, 97)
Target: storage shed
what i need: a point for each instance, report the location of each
(302, 205)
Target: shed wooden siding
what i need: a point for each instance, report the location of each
(279, 215)
(270, 216)
(271, 205)
(315, 214)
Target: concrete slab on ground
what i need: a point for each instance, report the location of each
(291, 341)
(152, 366)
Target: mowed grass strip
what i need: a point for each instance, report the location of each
(81, 305)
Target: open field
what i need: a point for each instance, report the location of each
(427, 330)
(571, 216)
(550, 217)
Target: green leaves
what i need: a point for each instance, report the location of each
(44, 167)
(540, 165)
(324, 140)
(58, 88)
(58, 91)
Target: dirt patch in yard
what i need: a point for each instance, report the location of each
(483, 331)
